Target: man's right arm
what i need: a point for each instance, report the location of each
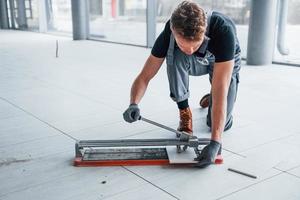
(140, 84)
(151, 67)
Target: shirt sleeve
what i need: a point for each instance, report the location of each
(161, 45)
(225, 45)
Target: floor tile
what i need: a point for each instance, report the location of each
(279, 187)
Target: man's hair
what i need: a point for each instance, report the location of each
(189, 21)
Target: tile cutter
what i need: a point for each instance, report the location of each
(137, 151)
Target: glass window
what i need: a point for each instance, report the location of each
(291, 40)
(59, 15)
(238, 10)
(122, 21)
(32, 14)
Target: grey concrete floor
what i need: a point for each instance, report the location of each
(46, 103)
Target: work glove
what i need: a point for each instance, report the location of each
(132, 113)
(209, 154)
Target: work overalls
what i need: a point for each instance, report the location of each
(180, 66)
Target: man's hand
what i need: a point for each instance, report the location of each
(132, 113)
(208, 154)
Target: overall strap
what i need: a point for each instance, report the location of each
(170, 53)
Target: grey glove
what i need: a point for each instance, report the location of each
(132, 113)
(208, 154)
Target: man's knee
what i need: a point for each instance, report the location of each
(228, 124)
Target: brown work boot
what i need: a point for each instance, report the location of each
(186, 121)
(204, 102)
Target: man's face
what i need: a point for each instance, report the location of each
(186, 46)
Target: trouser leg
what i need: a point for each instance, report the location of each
(231, 97)
(178, 74)
(178, 77)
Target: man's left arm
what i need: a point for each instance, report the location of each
(220, 85)
(221, 78)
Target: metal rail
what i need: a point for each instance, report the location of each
(183, 139)
(193, 142)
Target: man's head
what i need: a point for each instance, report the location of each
(188, 24)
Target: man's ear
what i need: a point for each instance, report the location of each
(172, 29)
(174, 33)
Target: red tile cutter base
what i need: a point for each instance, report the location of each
(128, 152)
(79, 162)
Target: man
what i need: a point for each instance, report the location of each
(195, 43)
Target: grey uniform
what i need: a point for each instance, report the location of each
(180, 66)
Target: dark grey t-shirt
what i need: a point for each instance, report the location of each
(223, 42)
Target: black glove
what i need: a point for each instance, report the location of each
(132, 113)
(208, 154)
